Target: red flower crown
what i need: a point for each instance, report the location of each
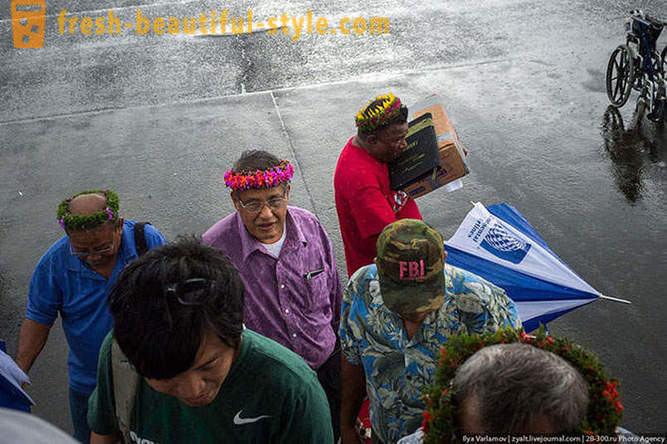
(244, 180)
(441, 417)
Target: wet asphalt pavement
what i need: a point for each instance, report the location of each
(159, 119)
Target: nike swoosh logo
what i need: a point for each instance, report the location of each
(240, 421)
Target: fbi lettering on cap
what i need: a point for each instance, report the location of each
(411, 270)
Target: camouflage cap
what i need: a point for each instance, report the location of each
(410, 263)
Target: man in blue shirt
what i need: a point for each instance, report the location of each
(74, 277)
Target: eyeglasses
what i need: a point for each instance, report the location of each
(255, 206)
(190, 292)
(97, 252)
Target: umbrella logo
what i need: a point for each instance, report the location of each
(28, 19)
(501, 243)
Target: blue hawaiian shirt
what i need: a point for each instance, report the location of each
(398, 370)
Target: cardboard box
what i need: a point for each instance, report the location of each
(452, 153)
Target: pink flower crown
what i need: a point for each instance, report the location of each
(272, 177)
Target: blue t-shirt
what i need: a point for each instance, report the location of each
(64, 283)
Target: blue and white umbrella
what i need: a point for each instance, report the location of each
(12, 396)
(500, 245)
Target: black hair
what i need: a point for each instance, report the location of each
(399, 118)
(253, 160)
(159, 335)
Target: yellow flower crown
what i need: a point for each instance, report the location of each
(376, 118)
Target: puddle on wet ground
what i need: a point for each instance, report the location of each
(637, 152)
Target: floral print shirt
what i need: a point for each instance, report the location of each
(398, 369)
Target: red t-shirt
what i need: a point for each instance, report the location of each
(365, 204)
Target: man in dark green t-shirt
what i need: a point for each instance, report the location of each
(178, 317)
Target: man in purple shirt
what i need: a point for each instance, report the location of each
(287, 263)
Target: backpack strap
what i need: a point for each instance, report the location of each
(140, 237)
(125, 383)
(126, 379)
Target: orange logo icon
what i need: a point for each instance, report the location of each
(28, 20)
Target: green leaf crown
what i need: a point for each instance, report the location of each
(70, 221)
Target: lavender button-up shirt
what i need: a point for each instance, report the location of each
(287, 299)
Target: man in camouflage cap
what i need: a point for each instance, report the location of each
(396, 314)
(410, 259)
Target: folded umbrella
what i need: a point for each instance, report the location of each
(501, 246)
(11, 378)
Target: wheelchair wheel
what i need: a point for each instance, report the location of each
(654, 96)
(620, 76)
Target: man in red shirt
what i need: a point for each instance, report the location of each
(364, 201)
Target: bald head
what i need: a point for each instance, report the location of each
(93, 227)
(86, 204)
(89, 210)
